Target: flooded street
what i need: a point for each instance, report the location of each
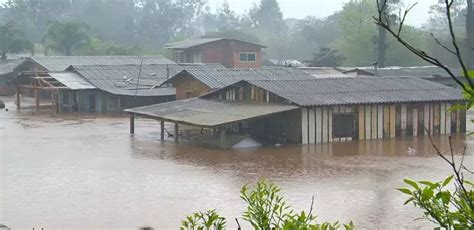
(89, 172)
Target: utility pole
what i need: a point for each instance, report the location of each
(382, 38)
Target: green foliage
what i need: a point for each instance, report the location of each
(11, 41)
(204, 221)
(65, 37)
(266, 210)
(95, 46)
(448, 209)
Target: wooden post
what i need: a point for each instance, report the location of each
(176, 132)
(222, 138)
(132, 124)
(37, 100)
(53, 110)
(18, 104)
(162, 131)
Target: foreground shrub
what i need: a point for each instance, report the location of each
(266, 209)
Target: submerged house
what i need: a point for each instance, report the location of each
(231, 53)
(195, 82)
(318, 110)
(96, 84)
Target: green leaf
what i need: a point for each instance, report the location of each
(408, 201)
(412, 183)
(426, 194)
(405, 190)
(427, 183)
(447, 180)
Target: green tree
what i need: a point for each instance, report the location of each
(66, 37)
(11, 41)
(267, 15)
(359, 40)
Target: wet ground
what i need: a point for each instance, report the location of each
(89, 172)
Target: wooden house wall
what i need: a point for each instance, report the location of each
(382, 121)
(370, 121)
(186, 86)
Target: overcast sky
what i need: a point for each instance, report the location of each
(322, 8)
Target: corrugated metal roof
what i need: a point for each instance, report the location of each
(359, 90)
(141, 92)
(60, 63)
(121, 79)
(412, 71)
(124, 76)
(200, 41)
(209, 113)
(323, 72)
(219, 78)
(72, 80)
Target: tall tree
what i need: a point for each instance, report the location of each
(470, 34)
(11, 41)
(267, 15)
(66, 37)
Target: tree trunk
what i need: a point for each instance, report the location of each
(470, 34)
(381, 42)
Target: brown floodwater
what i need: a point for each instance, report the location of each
(88, 172)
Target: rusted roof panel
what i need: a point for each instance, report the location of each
(209, 113)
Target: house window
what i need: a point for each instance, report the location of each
(179, 56)
(343, 125)
(248, 57)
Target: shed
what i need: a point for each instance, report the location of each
(326, 109)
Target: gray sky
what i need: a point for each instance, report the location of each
(322, 8)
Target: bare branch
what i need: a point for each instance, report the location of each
(442, 45)
(455, 44)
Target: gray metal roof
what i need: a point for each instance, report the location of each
(412, 71)
(72, 80)
(124, 76)
(220, 78)
(359, 90)
(60, 63)
(209, 113)
(141, 92)
(201, 41)
(123, 79)
(323, 72)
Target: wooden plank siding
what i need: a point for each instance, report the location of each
(318, 124)
(380, 121)
(361, 124)
(393, 123)
(386, 121)
(304, 125)
(368, 123)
